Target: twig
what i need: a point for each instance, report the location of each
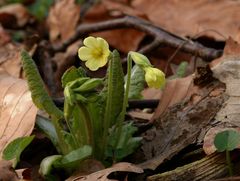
(160, 35)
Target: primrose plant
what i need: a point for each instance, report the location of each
(91, 124)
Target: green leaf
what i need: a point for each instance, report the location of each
(227, 140)
(72, 74)
(47, 164)
(126, 145)
(15, 148)
(39, 94)
(73, 159)
(40, 9)
(46, 126)
(137, 83)
(115, 90)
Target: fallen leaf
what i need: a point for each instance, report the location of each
(10, 59)
(185, 88)
(188, 18)
(17, 110)
(62, 20)
(103, 174)
(4, 36)
(17, 11)
(227, 70)
(7, 173)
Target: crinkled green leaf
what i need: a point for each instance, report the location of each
(137, 83)
(126, 145)
(115, 89)
(72, 74)
(227, 140)
(16, 147)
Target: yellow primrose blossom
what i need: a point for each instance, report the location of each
(154, 77)
(95, 52)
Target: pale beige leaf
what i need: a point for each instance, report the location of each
(103, 174)
(18, 11)
(188, 17)
(227, 70)
(62, 19)
(175, 91)
(17, 111)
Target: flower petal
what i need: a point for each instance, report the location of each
(84, 53)
(103, 43)
(92, 64)
(90, 42)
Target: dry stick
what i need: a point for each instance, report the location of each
(189, 40)
(160, 35)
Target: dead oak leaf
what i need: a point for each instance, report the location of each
(103, 174)
(17, 111)
(187, 18)
(62, 20)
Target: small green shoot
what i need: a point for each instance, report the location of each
(227, 141)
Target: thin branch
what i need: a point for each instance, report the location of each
(160, 35)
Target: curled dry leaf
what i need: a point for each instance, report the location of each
(185, 88)
(15, 12)
(188, 18)
(7, 173)
(17, 111)
(10, 59)
(62, 20)
(103, 174)
(227, 70)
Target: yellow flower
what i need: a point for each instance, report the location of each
(95, 52)
(154, 77)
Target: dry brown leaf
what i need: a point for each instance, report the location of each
(4, 36)
(105, 11)
(7, 173)
(18, 11)
(208, 145)
(17, 111)
(103, 174)
(174, 92)
(227, 70)
(187, 18)
(10, 59)
(62, 20)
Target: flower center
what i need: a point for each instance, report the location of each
(97, 53)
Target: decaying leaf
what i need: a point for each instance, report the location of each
(185, 88)
(7, 173)
(17, 11)
(63, 19)
(188, 18)
(181, 124)
(103, 174)
(10, 59)
(17, 110)
(228, 71)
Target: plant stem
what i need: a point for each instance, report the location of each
(228, 158)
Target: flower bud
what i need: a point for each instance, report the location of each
(140, 60)
(154, 77)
